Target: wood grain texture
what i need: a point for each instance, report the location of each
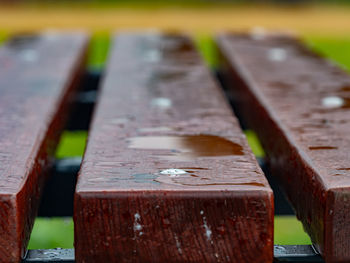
(160, 109)
(298, 103)
(38, 74)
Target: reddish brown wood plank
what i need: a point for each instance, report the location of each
(299, 105)
(160, 109)
(37, 77)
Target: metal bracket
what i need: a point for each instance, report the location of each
(296, 253)
(287, 253)
(57, 255)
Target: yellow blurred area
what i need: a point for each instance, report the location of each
(310, 19)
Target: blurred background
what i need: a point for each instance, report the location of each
(323, 25)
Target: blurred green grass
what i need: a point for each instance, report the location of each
(206, 46)
(52, 233)
(72, 144)
(98, 50)
(254, 143)
(3, 36)
(335, 48)
(289, 231)
(58, 232)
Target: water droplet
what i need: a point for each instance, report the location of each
(144, 178)
(152, 55)
(173, 172)
(333, 102)
(29, 55)
(345, 88)
(178, 244)
(206, 228)
(322, 148)
(137, 225)
(187, 147)
(277, 54)
(343, 169)
(162, 103)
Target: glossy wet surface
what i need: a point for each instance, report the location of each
(171, 116)
(193, 178)
(38, 76)
(187, 148)
(299, 105)
(190, 177)
(176, 179)
(30, 95)
(311, 96)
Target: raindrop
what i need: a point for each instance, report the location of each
(277, 54)
(173, 172)
(333, 102)
(152, 55)
(163, 103)
(29, 55)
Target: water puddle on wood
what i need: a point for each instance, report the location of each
(187, 148)
(193, 177)
(322, 148)
(196, 177)
(345, 88)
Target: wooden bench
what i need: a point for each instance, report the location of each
(299, 105)
(38, 76)
(167, 174)
(167, 169)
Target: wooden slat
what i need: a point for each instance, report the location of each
(160, 109)
(37, 77)
(299, 105)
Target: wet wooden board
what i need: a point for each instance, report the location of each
(38, 74)
(299, 105)
(167, 174)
